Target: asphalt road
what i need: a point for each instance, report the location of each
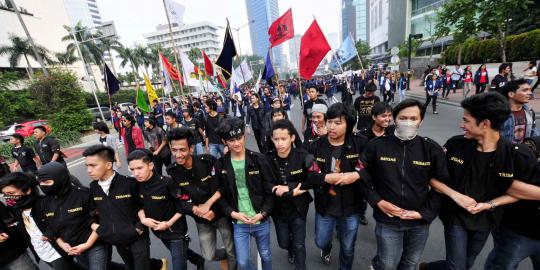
(438, 127)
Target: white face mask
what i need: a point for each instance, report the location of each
(406, 130)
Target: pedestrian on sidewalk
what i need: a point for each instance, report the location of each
(530, 73)
(481, 78)
(467, 81)
(446, 79)
(456, 75)
(537, 77)
(433, 87)
(402, 85)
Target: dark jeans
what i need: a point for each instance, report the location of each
(446, 90)
(178, 249)
(96, 258)
(510, 249)
(399, 247)
(291, 236)
(347, 228)
(136, 255)
(480, 88)
(259, 138)
(159, 162)
(434, 103)
(207, 239)
(462, 248)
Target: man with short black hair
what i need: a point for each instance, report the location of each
(214, 145)
(245, 179)
(500, 79)
(171, 120)
(158, 145)
(521, 123)
(403, 162)
(196, 127)
(363, 105)
(24, 156)
(195, 174)
(381, 114)
(47, 148)
(337, 201)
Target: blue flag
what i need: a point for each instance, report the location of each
(268, 71)
(111, 82)
(346, 51)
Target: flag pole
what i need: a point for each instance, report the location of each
(274, 68)
(358, 55)
(342, 71)
(298, 75)
(174, 45)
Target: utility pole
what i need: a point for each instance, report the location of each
(36, 54)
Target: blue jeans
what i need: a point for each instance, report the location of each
(347, 228)
(199, 149)
(399, 247)
(178, 249)
(96, 258)
(216, 149)
(510, 249)
(23, 262)
(462, 248)
(242, 240)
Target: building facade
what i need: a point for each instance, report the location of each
(202, 35)
(354, 19)
(263, 13)
(84, 11)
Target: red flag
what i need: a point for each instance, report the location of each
(313, 48)
(221, 80)
(208, 65)
(170, 68)
(281, 29)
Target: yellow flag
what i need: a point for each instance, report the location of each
(151, 93)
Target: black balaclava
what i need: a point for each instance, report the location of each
(57, 172)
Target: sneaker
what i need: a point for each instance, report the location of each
(325, 257)
(290, 257)
(363, 220)
(435, 112)
(163, 264)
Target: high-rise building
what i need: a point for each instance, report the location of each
(389, 24)
(84, 11)
(354, 19)
(202, 35)
(263, 13)
(294, 51)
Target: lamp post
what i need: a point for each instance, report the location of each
(411, 37)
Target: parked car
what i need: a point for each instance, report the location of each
(125, 106)
(96, 115)
(6, 134)
(26, 129)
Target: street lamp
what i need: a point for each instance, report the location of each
(237, 29)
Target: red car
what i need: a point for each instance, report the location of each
(26, 129)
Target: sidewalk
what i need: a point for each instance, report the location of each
(418, 92)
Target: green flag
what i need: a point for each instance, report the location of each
(141, 101)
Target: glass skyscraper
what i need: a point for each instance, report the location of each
(264, 12)
(354, 19)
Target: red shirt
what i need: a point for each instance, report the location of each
(483, 77)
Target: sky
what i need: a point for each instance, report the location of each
(133, 18)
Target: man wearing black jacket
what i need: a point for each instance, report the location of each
(337, 200)
(22, 196)
(68, 217)
(245, 181)
(47, 148)
(396, 173)
(13, 255)
(294, 167)
(116, 200)
(164, 207)
(195, 175)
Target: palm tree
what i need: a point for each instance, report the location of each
(141, 53)
(108, 44)
(128, 56)
(90, 51)
(66, 58)
(21, 47)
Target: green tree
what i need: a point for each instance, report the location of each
(8, 79)
(66, 58)
(107, 45)
(129, 56)
(61, 101)
(20, 47)
(16, 107)
(143, 56)
(195, 55)
(90, 51)
(404, 48)
(362, 48)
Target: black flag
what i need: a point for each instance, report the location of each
(225, 58)
(112, 83)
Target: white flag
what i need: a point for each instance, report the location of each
(176, 12)
(242, 73)
(189, 68)
(167, 86)
(258, 83)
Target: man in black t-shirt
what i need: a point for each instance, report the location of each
(214, 145)
(482, 167)
(363, 105)
(196, 127)
(500, 79)
(24, 156)
(308, 105)
(47, 148)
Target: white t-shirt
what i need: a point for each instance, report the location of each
(44, 249)
(529, 74)
(106, 185)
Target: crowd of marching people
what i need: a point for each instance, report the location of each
(189, 158)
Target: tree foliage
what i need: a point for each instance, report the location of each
(21, 47)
